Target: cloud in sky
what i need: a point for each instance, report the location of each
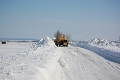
(83, 19)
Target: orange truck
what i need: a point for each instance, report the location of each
(61, 41)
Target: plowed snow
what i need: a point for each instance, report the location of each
(45, 61)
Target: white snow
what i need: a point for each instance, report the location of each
(44, 61)
(109, 45)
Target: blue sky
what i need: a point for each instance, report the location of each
(82, 19)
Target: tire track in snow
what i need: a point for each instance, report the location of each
(78, 63)
(67, 63)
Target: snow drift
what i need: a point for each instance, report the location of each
(107, 49)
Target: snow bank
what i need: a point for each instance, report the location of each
(113, 46)
(107, 53)
(102, 42)
(45, 56)
(46, 41)
(43, 42)
(37, 63)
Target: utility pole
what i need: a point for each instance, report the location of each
(119, 41)
(119, 38)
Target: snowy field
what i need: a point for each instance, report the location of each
(44, 61)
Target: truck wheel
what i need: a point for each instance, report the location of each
(66, 45)
(56, 44)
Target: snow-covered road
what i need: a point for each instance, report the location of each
(45, 61)
(82, 64)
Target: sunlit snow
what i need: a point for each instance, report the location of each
(42, 60)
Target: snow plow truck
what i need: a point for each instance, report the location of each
(61, 41)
